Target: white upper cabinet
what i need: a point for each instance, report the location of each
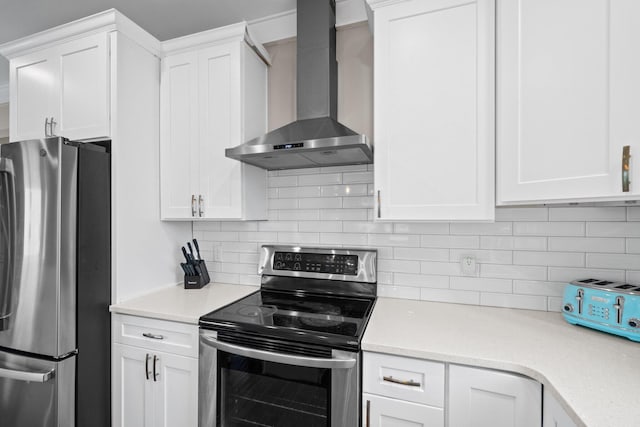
(434, 109)
(567, 73)
(213, 97)
(61, 90)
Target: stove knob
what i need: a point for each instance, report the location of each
(634, 323)
(568, 307)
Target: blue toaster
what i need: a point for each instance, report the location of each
(604, 305)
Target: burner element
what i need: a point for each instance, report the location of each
(256, 310)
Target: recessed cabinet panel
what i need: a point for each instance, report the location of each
(132, 393)
(433, 112)
(566, 99)
(179, 134)
(32, 95)
(84, 89)
(384, 412)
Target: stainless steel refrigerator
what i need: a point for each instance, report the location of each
(54, 284)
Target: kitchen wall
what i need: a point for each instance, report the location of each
(524, 258)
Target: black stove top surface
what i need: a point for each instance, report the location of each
(333, 321)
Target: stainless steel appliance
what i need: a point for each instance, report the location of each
(604, 305)
(289, 354)
(316, 138)
(54, 284)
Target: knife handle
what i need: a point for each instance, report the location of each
(191, 251)
(195, 245)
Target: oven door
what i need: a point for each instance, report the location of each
(246, 385)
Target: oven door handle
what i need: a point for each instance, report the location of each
(311, 362)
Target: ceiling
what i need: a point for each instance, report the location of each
(164, 19)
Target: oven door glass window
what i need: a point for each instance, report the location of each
(260, 393)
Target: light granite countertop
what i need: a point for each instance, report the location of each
(595, 376)
(183, 305)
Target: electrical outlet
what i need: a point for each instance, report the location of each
(469, 265)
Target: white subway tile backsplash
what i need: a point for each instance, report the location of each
(454, 242)
(358, 177)
(633, 246)
(613, 229)
(451, 296)
(492, 229)
(568, 259)
(481, 284)
(576, 213)
(568, 274)
(527, 302)
(549, 228)
(586, 244)
(422, 254)
(320, 179)
(524, 259)
(482, 256)
(399, 266)
(422, 228)
(403, 292)
(321, 203)
(513, 242)
(522, 214)
(619, 261)
(421, 280)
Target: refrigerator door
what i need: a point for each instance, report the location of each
(38, 202)
(35, 392)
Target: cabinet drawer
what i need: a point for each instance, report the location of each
(383, 412)
(160, 335)
(404, 378)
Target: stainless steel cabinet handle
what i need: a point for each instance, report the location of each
(52, 123)
(153, 336)
(193, 205)
(200, 205)
(146, 366)
(155, 360)
(312, 362)
(368, 413)
(46, 125)
(626, 155)
(379, 208)
(410, 383)
(36, 377)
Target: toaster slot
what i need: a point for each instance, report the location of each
(580, 299)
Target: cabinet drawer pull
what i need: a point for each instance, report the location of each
(626, 155)
(146, 366)
(368, 413)
(379, 208)
(410, 383)
(193, 205)
(153, 336)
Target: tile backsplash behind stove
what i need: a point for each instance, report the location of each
(524, 258)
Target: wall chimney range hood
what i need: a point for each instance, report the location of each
(316, 138)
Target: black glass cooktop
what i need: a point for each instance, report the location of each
(329, 320)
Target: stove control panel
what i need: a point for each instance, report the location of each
(316, 263)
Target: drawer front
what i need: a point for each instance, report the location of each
(383, 412)
(404, 378)
(161, 335)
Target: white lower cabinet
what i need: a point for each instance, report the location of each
(384, 412)
(553, 414)
(153, 388)
(402, 391)
(482, 397)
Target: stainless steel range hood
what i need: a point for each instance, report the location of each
(316, 138)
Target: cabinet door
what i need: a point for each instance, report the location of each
(33, 84)
(553, 414)
(132, 391)
(479, 397)
(179, 155)
(220, 74)
(176, 393)
(434, 110)
(567, 99)
(83, 88)
(383, 412)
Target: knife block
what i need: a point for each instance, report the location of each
(199, 280)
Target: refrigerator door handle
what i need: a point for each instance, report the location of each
(36, 377)
(8, 243)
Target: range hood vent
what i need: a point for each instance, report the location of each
(316, 138)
